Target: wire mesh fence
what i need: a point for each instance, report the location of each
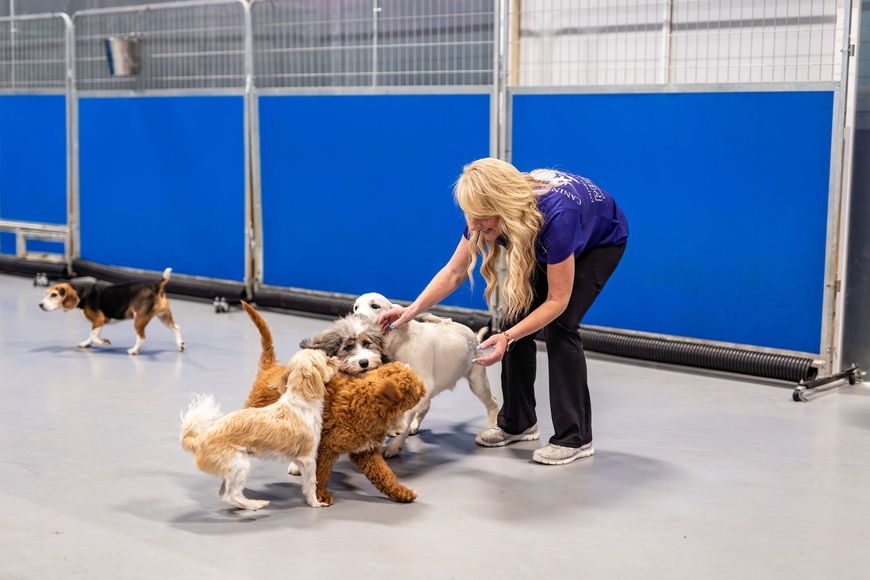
(360, 43)
(33, 54)
(191, 45)
(607, 42)
(201, 44)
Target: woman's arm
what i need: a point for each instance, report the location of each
(448, 279)
(560, 282)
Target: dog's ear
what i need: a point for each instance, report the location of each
(282, 385)
(71, 299)
(378, 338)
(375, 335)
(390, 391)
(312, 386)
(328, 341)
(303, 377)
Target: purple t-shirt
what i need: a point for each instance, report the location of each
(578, 216)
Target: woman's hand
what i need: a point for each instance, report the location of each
(498, 343)
(395, 317)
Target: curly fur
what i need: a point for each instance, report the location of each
(357, 412)
(356, 415)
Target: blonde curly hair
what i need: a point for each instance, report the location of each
(494, 188)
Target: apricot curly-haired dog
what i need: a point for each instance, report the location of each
(357, 412)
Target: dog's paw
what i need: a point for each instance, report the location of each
(133, 351)
(392, 450)
(293, 469)
(102, 341)
(180, 347)
(255, 504)
(403, 494)
(325, 498)
(85, 344)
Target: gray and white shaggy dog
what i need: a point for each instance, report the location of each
(357, 344)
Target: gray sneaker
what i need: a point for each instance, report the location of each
(558, 455)
(495, 437)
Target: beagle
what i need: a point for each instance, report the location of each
(104, 302)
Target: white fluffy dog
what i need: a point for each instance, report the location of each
(439, 351)
(288, 429)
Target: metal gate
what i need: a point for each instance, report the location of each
(36, 200)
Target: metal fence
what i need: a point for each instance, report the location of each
(602, 42)
(36, 57)
(181, 45)
(201, 44)
(34, 52)
(373, 43)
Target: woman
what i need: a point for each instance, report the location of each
(563, 237)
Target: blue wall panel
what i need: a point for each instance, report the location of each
(357, 190)
(163, 184)
(32, 161)
(726, 196)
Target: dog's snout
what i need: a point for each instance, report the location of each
(41, 305)
(364, 364)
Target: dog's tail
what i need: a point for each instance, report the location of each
(161, 286)
(201, 414)
(481, 334)
(267, 357)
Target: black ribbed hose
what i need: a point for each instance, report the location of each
(734, 360)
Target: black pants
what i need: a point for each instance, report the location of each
(570, 405)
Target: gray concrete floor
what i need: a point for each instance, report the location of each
(695, 476)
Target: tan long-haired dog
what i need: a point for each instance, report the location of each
(357, 412)
(288, 429)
